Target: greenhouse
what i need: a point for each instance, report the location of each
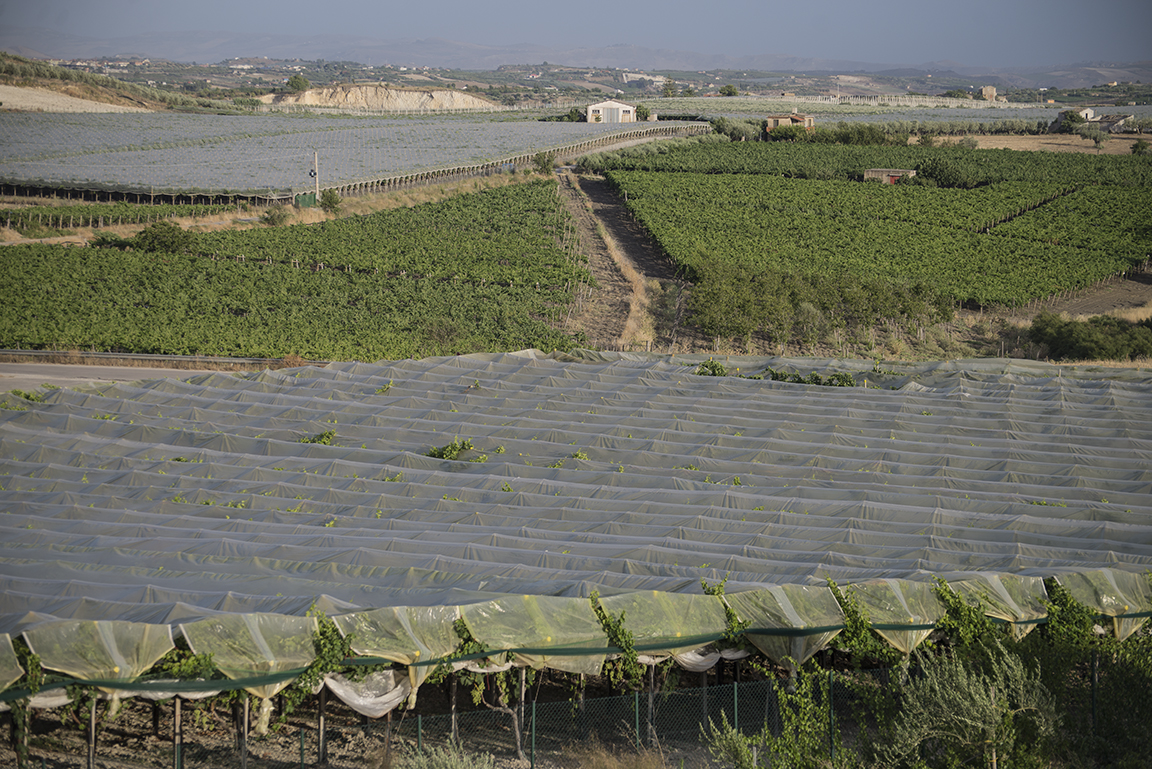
(504, 491)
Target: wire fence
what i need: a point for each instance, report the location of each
(1104, 704)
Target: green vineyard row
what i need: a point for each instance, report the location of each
(462, 279)
(995, 244)
(101, 214)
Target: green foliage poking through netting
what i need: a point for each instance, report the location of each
(451, 450)
(865, 647)
(323, 439)
(625, 670)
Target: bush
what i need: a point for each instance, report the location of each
(1101, 338)
(164, 236)
(445, 758)
(275, 216)
(330, 201)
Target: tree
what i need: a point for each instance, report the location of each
(642, 113)
(1097, 136)
(298, 83)
(1141, 147)
(971, 712)
(330, 201)
(729, 90)
(670, 88)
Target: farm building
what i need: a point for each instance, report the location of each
(611, 111)
(888, 175)
(793, 118)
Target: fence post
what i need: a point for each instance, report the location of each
(1095, 681)
(92, 734)
(533, 747)
(244, 736)
(831, 717)
(301, 749)
(322, 748)
(636, 715)
(651, 698)
(177, 736)
(735, 706)
(419, 732)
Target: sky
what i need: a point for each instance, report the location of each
(993, 33)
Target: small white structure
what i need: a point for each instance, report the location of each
(611, 111)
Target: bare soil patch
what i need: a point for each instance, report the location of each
(1120, 144)
(64, 98)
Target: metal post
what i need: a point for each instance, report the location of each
(831, 717)
(244, 736)
(636, 715)
(322, 724)
(419, 732)
(177, 737)
(301, 749)
(452, 697)
(92, 734)
(520, 707)
(316, 171)
(651, 704)
(1095, 681)
(735, 706)
(703, 696)
(533, 748)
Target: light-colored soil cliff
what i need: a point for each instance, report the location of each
(380, 97)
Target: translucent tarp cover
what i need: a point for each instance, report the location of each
(541, 622)
(10, 670)
(789, 608)
(251, 645)
(378, 694)
(99, 650)
(404, 634)
(173, 502)
(1112, 593)
(1016, 600)
(891, 604)
(667, 623)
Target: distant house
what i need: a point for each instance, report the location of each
(795, 118)
(888, 175)
(1109, 123)
(611, 111)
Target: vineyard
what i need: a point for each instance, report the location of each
(100, 214)
(152, 153)
(949, 237)
(496, 270)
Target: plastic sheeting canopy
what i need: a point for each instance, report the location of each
(542, 622)
(101, 649)
(667, 623)
(404, 634)
(10, 670)
(1019, 601)
(791, 608)
(1112, 593)
(892, 605)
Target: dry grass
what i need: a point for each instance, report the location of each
(593, 755)
(639, 327)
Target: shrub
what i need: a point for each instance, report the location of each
(275, 216)
(330, 201)
(164, 236)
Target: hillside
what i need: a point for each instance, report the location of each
(379, 97)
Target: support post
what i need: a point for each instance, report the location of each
(322, 722)
(651, 705)
(177, 735)
(92, 734)
(452, 698)
(533, 748)
(244, 736)
(831, 716)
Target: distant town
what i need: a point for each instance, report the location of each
(515, 84)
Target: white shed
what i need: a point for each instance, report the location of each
(611, 111)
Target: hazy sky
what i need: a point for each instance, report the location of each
(977, 32)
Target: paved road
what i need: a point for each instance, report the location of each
(29, 376)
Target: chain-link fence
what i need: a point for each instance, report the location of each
(1105, 715)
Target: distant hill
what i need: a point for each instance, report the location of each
(215, 46)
